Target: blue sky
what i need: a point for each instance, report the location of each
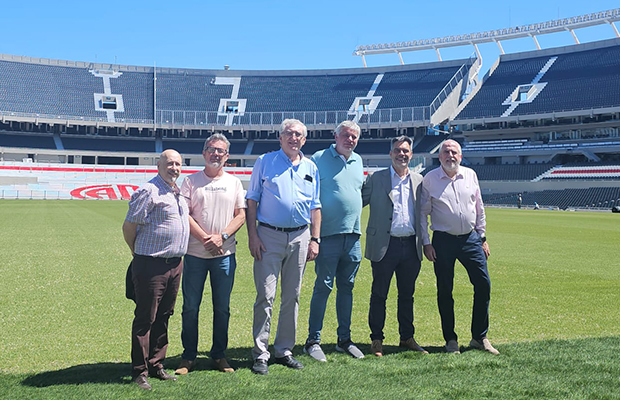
(270, 34)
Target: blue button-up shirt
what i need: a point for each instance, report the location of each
(285, 193)
(162, 216)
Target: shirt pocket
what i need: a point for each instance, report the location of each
(303, 187)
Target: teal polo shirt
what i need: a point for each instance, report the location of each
(340, 191)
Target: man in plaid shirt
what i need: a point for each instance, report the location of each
(156, 230)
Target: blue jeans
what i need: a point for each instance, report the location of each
(222, 271)
(339, 259)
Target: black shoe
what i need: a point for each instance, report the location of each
(163, 375)
(289, 361)
(142, 382)
(260, 367)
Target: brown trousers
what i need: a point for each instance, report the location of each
(156, 282)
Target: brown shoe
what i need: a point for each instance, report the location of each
(184, 367)
(223, 365)
(412, 345)
(162, 375)
(376, 347)
(142, 382)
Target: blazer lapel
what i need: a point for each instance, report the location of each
(413, 193)
(387, 184)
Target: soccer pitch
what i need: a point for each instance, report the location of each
(65, 324)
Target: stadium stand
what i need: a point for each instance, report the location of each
(567, 198)
(48, 89)
(529, 144)
(71, 142)
(505, 172)
(570, 75)
(196, 97)
(40, 141)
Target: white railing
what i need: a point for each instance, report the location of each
(265, 120)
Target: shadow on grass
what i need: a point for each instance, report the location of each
(120, 373)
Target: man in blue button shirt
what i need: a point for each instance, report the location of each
(283, 197)
(342, 176)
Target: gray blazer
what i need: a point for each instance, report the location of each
(376, 192)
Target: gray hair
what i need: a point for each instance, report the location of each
(400, 139)
(213, 138)
(348, 125)
(291, 122)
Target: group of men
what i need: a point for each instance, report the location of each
(301, 210)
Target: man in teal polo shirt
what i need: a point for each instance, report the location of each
(341, 178)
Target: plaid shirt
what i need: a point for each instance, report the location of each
(162, 216)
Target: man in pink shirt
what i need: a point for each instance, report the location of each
(451, 196)
(217, 211)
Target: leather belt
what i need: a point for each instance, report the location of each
(403, 238)
(463, 236)
(275, 228)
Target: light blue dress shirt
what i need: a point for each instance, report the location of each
(285, 193)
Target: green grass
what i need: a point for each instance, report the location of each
(65, 324)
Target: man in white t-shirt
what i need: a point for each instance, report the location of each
(217, 210)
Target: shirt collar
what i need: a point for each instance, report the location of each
(335, 154)
(283, 155)
(442, 173)
(171, 188)
(395, 175)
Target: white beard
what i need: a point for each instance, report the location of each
(450, 166)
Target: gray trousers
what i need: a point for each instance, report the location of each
(285, 256)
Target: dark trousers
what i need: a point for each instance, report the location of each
(156, 282)
(401, 258)
(468, 250)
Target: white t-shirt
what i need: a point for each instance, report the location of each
(212, 203)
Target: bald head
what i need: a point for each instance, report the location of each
(169, 166)
(450, 142)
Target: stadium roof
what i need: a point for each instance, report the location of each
(532, 30)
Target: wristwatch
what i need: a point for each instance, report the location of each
(225, 236)
(483, 238)
(316, 239)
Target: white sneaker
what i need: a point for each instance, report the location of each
(349, 348)
(313, 349)
(452, 347)
(483, 344)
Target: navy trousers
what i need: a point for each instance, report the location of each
(468, 250)
(401, 259)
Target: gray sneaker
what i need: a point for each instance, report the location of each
(313, 349)
(350, 348)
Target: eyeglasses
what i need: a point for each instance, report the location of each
(217, 150)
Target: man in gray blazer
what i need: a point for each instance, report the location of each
(392, 245)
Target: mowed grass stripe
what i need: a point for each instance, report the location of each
(555, 275)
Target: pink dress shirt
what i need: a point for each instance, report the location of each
(454, 204)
